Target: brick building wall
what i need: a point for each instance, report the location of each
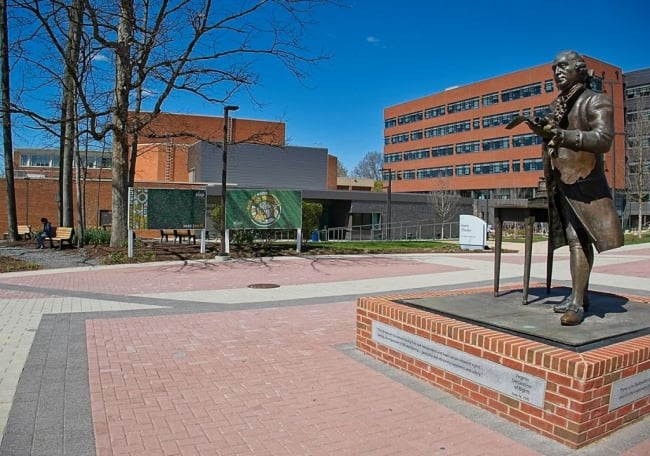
(163, 144)
(162, 162)
(332, 172)
(36, 198)
(187, 129)
(415, 150)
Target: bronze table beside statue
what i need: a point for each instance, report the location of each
(577, 133)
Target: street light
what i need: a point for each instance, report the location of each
(388, 202)
(224, 176)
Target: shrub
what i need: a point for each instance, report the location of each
(242, 237)
(311, 213)
(96, 236)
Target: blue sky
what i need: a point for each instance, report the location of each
(386, 52)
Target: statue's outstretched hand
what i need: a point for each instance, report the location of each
(545, 130)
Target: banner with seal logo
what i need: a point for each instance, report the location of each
(261, 209)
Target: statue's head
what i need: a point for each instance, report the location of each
(569, 68)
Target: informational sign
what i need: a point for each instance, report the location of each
(518, 385)
(263, 209)
(473, 233)
(630, 389)
(166, 208)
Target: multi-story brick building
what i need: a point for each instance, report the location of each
(457, 140)
(183, 150)
(163, 144)
(162, 161)
(637, 117)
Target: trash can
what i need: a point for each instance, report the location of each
(314, 236)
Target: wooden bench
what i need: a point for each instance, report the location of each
(25, 231)
(22, 230)
(164, 234)
(189, 234)
(62, 234)
(179, 235)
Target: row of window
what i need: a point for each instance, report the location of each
(504, 96)
(408, 118)
(496, 143)
(495, 120)
(499, 119)
(526, 91)
(489, 99)
(639, 167)
(447, 129)
(52, 161)
(497, 167)
(468, 147)
(638, 91)
(463, 105)
(636, 142)
(434, 112)
(633, 116)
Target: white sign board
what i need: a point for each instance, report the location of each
(518, 385)
(630, 389)
(473, 233)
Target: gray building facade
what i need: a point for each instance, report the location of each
(260, 165)
(637, 130)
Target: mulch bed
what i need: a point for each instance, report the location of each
(152, 250)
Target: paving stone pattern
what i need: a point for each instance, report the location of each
(184, 358)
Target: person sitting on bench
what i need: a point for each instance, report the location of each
(46, 233)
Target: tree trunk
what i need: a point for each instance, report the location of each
(6, 124)
(80, 181)
(120, 167)
(80, 216)
(69, 124)
(120, 190)
(68, 131)
(641, 195)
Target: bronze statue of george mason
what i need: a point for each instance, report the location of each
(577, 133)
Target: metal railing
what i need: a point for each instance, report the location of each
(398, 231)
(404, 230)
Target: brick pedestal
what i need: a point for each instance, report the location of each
(573, 398)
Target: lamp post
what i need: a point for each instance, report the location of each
(388, 203)
(224, 176)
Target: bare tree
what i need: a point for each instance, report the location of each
(6, 123)
(370, 166)
(520, 193)
(216, 58)
(638, 159)
(145, 52)
(445, 202)
(53, 57)
(68, 119)
(341, 170)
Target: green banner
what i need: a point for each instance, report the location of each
(166, 208)
(263, 209)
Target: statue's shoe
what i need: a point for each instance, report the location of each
(572, 317)
(566, 302)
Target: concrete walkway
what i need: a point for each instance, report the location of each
(185, 358)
